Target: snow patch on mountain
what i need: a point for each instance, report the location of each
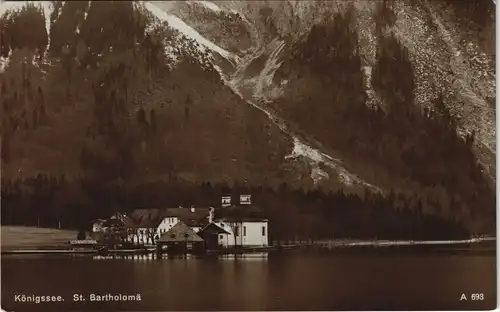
(188, 31)
(300, 149)
(209, 5)
(312, 156)
(317, 174)
(316, 159)
(262, 84)
(265, 82)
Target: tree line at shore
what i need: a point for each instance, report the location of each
(292, 213)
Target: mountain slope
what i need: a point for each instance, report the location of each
(400, 91)
(144, 103)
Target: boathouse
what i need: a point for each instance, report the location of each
(214, 236)
(180, 239)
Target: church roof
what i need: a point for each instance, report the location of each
(212, 228)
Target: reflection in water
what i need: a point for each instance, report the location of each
(261, 256)
(248, 257)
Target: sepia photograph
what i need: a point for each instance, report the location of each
(248, 155)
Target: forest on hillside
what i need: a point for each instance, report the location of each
(100, 100)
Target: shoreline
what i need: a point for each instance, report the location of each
(384, 242)
(462, 245)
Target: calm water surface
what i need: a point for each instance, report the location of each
(289, 281)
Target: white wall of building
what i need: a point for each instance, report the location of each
(166, 224)
(254, 233)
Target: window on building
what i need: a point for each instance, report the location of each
(244, 231)
(263, 231)
(237, 231)
(221, 236)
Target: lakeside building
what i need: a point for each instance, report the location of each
(181, 238)
(214, 236)
(247, 224)
(228, 226)
(243, 231)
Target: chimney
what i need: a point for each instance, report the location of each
(226, 201)
(211, 215)
(245, 199)
(192, 208)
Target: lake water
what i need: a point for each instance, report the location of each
(283, 281)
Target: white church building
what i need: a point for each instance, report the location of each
(243, 232)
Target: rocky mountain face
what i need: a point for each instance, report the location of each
(450, 45)
(379, 95)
